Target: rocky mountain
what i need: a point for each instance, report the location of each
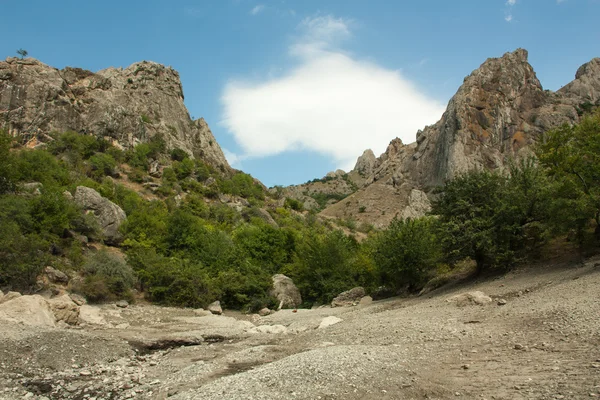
(127, 106)
(498, 112)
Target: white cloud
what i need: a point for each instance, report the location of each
(329, 102)
(508, 15)
(257, 9)
(233, 159)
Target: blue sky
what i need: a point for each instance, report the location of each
(294, 89)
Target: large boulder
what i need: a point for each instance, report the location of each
(28, 310)
(64, 309)
(215, 308)
(349, 297)
(286, 292)
(108, 214)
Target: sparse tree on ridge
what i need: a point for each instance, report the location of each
(23, 53)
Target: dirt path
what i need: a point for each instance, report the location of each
(544, 343)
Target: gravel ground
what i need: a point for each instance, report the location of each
(544, 343)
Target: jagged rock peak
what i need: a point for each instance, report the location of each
(512, 70)
(127, 106)
(587, 82)
(366, 163)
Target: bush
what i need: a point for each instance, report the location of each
(102, 165)
(243, 185)
(108, 277)
(76, 146)
(169, 280)
(293, 204)
(183, 169)
(178, 155)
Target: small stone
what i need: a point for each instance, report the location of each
(501, 302)
(85, 373)
(264, 312)
(519, 347)
(122, 304)
(465, 366)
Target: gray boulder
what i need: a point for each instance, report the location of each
(286, 292)
(56, 276)
(215, 308)
(109, 215)
(349, 297)
(122, 304)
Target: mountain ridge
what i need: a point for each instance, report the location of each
(125, 105)
(499, 111)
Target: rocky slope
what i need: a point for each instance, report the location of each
(498, 112)
(128, 105)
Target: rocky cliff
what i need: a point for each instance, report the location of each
(498, 112)
(128, 105)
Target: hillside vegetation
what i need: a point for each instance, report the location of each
(184, 246)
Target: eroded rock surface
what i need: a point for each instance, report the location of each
(496, 115)
(127, 106)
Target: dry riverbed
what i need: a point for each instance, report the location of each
(539, 338)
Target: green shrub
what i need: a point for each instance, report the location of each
(102, 165)
(76, 146)
(293, 204)
(108, 277)
(136, 175)
(178, 155)
(183, 169)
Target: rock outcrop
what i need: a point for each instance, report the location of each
(348, 298)
(126, 106)
(108, 214)
(498, 112)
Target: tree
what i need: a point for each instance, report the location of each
(475, 219)
(407, 252)
(22, 53)
(571, 156)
